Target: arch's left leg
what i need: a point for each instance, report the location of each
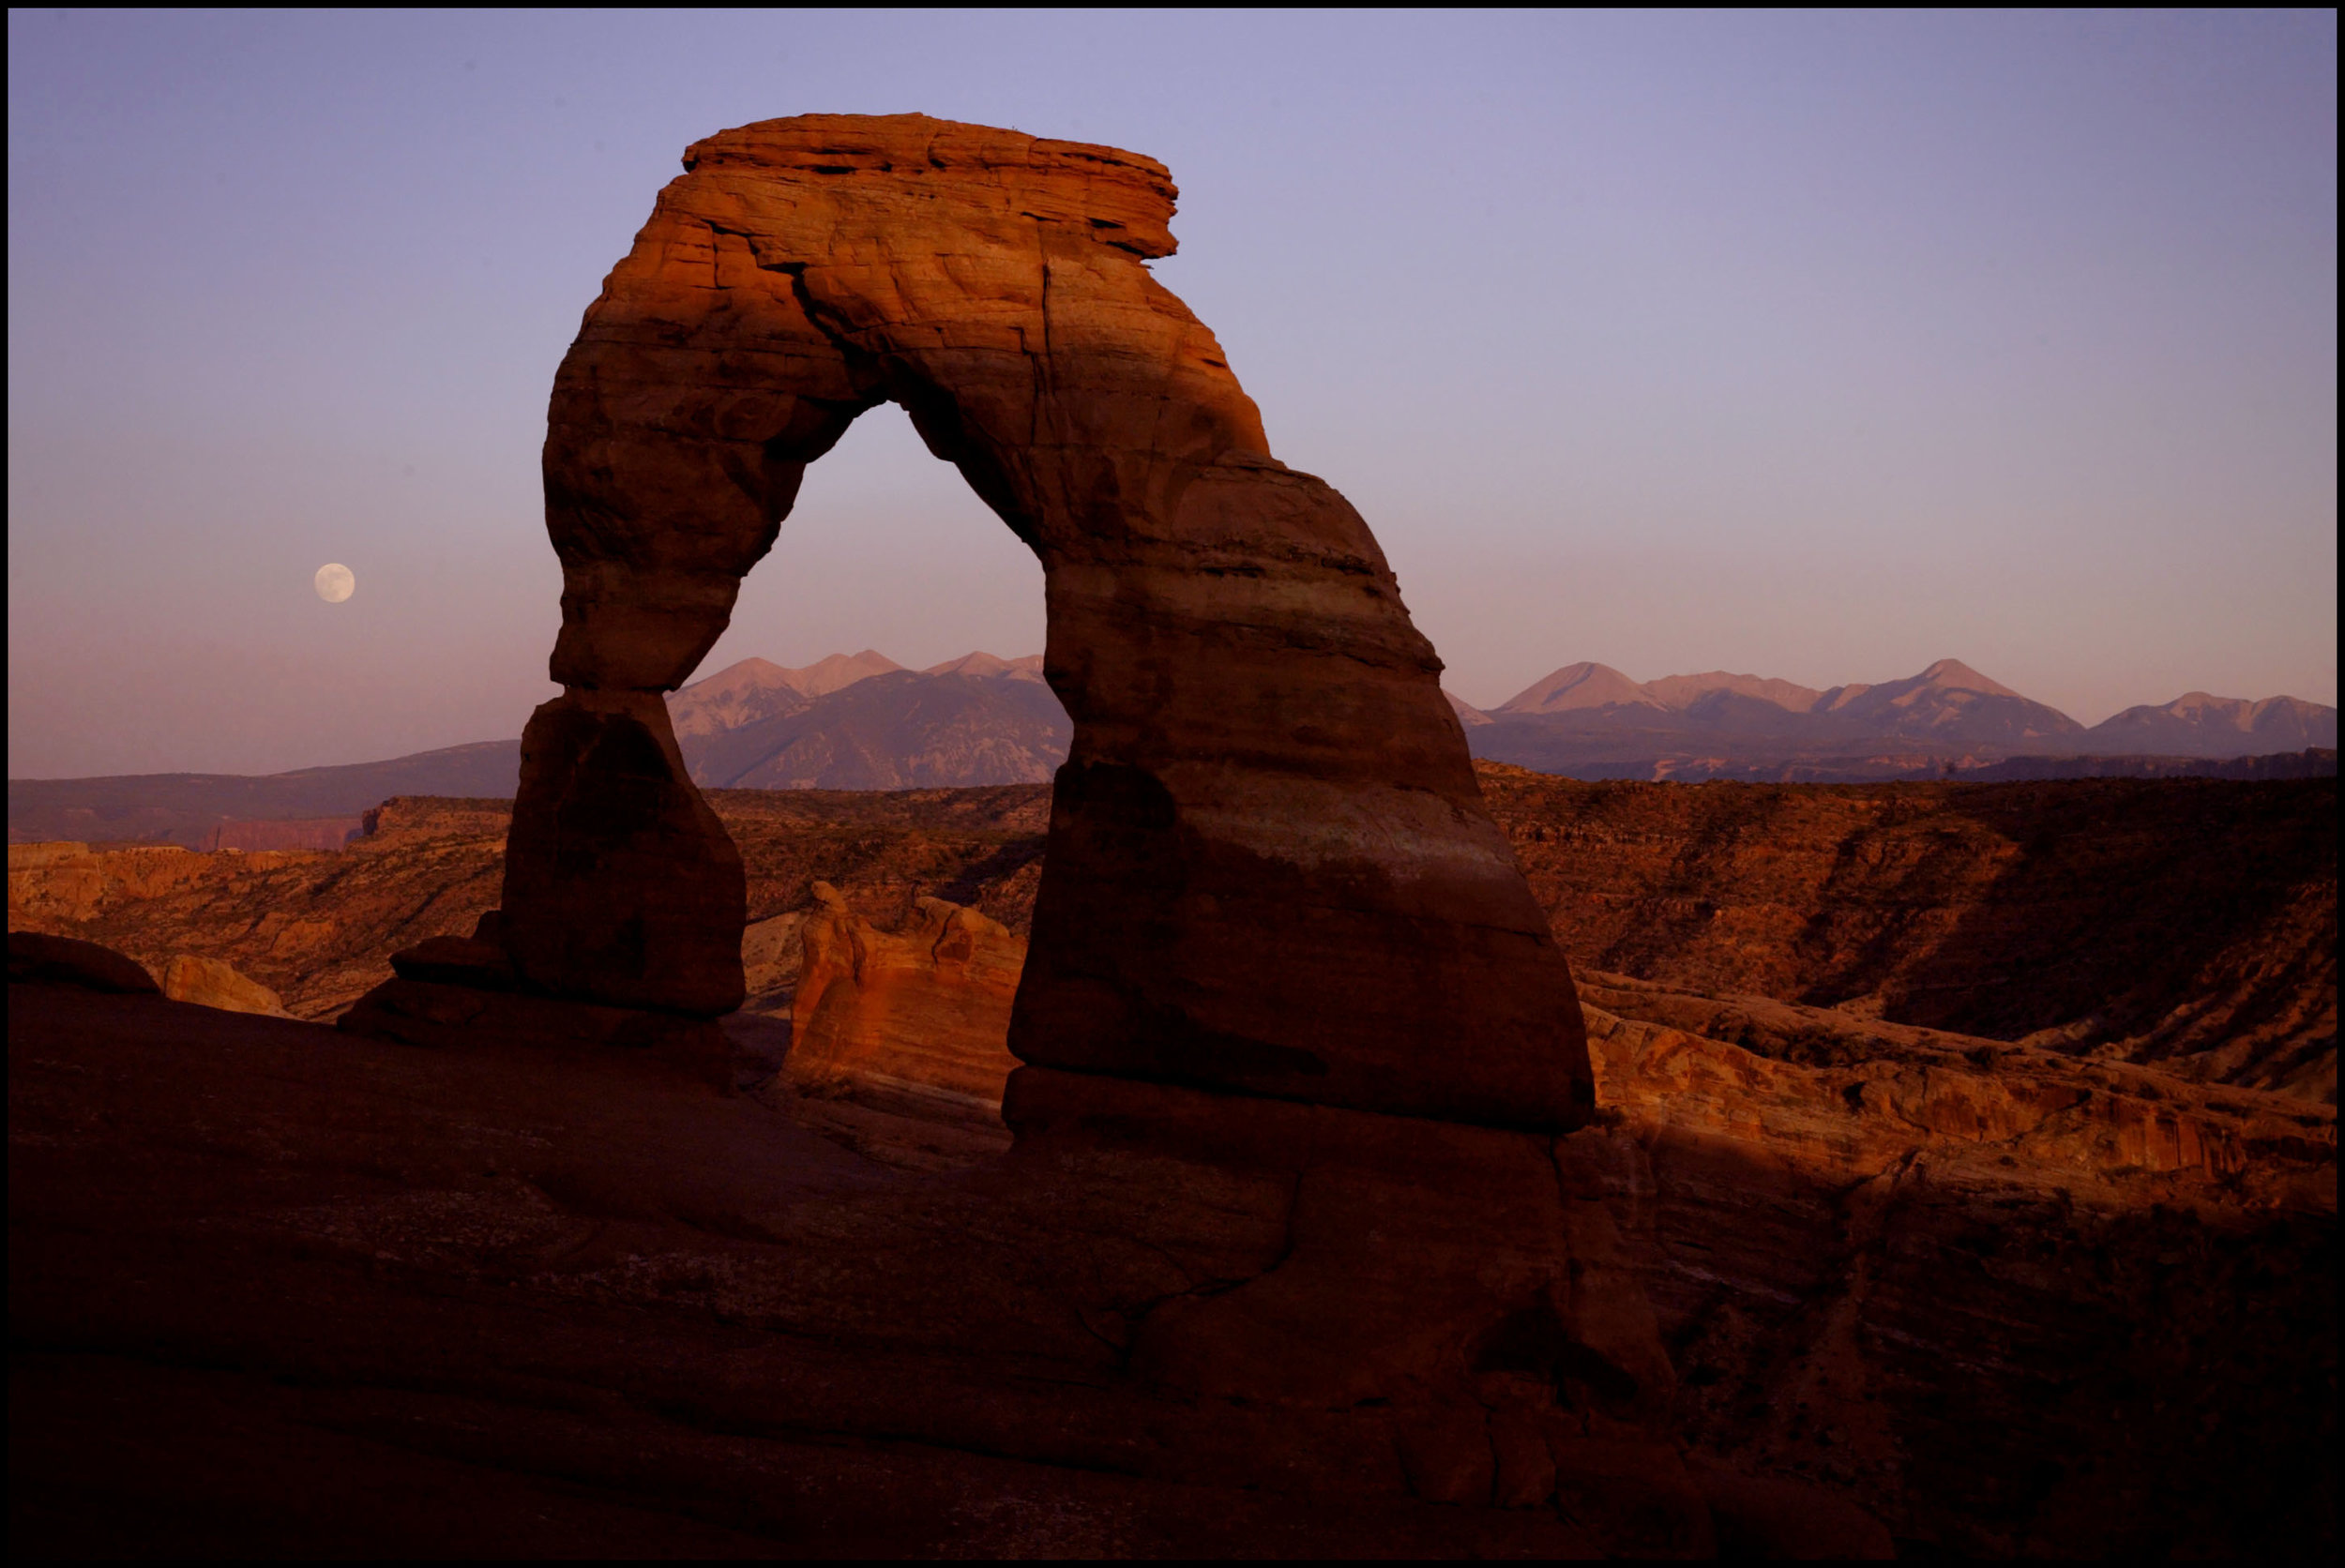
(672, 453)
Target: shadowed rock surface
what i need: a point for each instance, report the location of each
(278, 1287)
(69, 961)
(572, 1286)
(2016, 1304)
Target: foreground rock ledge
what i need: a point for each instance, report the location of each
(276, 1288)
(281, 1288)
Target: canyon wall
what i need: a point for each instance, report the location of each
(2187, 923)
(2017, 1304)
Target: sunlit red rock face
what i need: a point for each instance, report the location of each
(926, 1007)
(209, 983)
(1269, 868)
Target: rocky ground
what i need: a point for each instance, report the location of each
(275, 1289)
(2051, 1283)
(278, 1291)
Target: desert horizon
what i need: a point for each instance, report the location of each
(704, 704)
(1591, 685)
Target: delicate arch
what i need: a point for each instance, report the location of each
(1269, 870)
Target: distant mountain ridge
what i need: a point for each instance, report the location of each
(851, 721)
(2219, 726)
(754, 690)
(1593, 721)
(862, 721)
(977, 719)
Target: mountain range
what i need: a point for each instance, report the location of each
(862, 721)
(865, 722)
(1592, 722)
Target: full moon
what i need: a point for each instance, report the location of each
(336, 583)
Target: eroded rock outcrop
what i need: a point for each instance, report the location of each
(68, 883)
(1269, 868)
(925, 1008)
(320, 930)
(209, 983)
(316, 929)
(1762, 890)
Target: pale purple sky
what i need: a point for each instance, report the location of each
(1815, 345)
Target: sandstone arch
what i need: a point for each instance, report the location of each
(1269, 870)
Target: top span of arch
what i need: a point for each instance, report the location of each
(800, 271)
(1125, 200)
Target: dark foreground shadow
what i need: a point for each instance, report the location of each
(276, 1291)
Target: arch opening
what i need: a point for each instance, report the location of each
(886, 548)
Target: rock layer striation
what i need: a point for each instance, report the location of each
(926, 1008)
